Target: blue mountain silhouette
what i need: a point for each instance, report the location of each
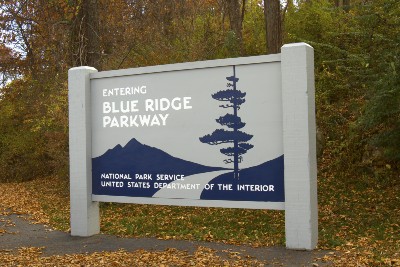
(265, 174)
(136, 158)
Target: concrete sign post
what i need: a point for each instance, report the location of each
(232, 133)
(85, 219)
(299, 146)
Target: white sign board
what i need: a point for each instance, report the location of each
(237, 133)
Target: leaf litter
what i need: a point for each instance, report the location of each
(23, 199)
(361, 226)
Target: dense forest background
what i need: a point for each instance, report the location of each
(357, 64)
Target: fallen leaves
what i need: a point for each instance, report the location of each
(359, 219)
(20, 200)
(232, 226)
(32, 257)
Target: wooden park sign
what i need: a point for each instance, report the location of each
(231, 133)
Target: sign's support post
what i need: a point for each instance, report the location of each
(85, 218)
(299, 146)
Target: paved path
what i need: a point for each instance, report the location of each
(25, 234)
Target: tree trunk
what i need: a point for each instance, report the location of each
(93, 37)
(85, 37)
(235, 129)
(346, 5)
(273, 25)
(235, 18)
(337, 3)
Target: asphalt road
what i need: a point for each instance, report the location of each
(21, 232)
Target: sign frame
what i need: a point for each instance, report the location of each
(299, 146)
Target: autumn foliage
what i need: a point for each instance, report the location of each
(357, 70)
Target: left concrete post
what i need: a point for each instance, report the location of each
(85, 218)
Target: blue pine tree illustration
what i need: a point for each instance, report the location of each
(233, 98)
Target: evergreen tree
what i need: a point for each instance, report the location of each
(234, 99)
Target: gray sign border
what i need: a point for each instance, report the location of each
(188, 66)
